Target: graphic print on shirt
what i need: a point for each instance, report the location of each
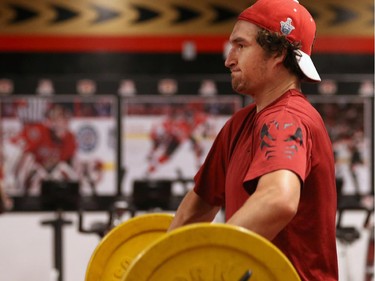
(280, 139)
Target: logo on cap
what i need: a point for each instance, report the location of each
(286, 26)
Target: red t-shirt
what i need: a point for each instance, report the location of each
(287, 134)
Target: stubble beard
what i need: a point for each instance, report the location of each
(238, 85)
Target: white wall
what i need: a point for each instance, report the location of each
(26, 247)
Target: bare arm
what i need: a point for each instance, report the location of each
(272, 206)
(193, 209)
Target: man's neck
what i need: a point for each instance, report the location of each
(274, 91)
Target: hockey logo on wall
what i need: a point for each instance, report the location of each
(47, 139)
(87, 138)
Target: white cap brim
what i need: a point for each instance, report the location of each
(307, 67)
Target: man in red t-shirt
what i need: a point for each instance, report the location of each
(271, 166)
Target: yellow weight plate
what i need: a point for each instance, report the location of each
(211, 252)
(122, 244)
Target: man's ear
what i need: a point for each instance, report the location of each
(279, 57)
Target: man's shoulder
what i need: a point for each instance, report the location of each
(297, 103)
(292, 105)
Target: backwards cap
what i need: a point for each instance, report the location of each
(291, 19)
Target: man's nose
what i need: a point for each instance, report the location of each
(230, 60)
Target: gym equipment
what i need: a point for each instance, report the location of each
(57, 225)
(149, 194)
(60, 195)
(141, 249)
(116, 213)
(123, 243)
(206, 251)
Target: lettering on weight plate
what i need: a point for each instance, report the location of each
(216, 272)
(121, 269)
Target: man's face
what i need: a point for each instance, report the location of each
(247, 60)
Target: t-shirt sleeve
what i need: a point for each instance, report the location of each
(281, 143)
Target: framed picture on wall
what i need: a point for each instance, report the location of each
(58, 144)
(166, 139)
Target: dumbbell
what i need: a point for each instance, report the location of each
(201, 251)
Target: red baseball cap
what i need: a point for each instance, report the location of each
(291, 19)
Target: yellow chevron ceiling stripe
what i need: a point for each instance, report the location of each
(165, 17)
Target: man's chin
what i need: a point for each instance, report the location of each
(237, 88)
(240, 91)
